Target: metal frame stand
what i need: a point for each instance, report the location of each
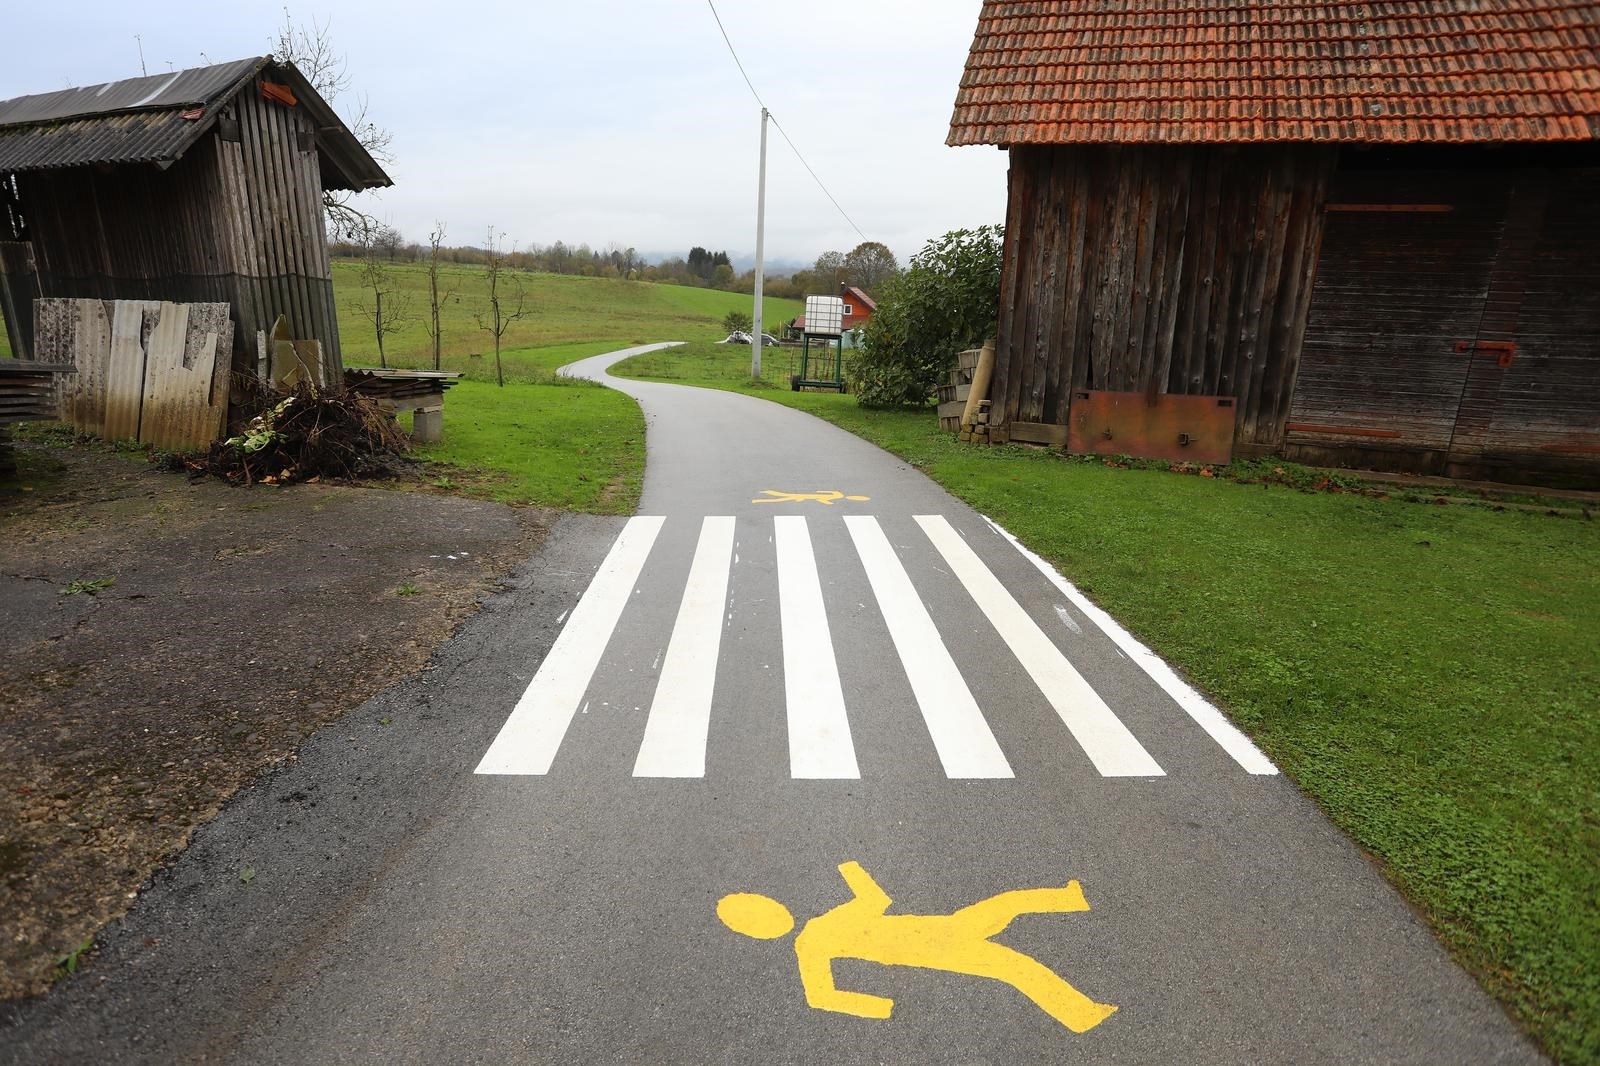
(807, 378)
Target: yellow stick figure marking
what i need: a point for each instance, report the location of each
(861, 928)
(822, 496)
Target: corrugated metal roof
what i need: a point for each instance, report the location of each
(1187, 71)
(156, 119)
(135, 137)
(173, 90)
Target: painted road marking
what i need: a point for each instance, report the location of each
(965, 744)
(527, 743)
(680, 715)
(819, 730)
(1206, 715)
(827, 497)
(862, 928)
(820, 744)
(1114, 751)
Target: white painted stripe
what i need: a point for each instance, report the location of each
(819, 731)
(1205, 714)
(1114, 751)
(680, 715)
(527, 743)
(960, 734)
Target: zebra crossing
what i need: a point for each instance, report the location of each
(820, 741)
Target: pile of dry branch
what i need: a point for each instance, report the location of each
(310, 433)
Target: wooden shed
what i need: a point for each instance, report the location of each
(1356, 234)
(197, 186)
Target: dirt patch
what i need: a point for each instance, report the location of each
(210, 630)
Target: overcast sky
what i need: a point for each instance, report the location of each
(603, 120)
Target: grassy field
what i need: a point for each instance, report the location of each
(540, 440)
(565, 311)
(1429, 674)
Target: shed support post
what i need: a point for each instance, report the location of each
(427, 421)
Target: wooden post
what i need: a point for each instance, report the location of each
(980, 386)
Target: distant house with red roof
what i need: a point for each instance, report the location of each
(1348, 233)
(858, 306)
(858, 309)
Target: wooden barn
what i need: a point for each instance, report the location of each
(197, 186)
(1347, 233)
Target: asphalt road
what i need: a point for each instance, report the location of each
(748, 725)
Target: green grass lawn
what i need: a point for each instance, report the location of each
(569, 444)
(1430, 674)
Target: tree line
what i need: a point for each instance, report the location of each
(868, 265)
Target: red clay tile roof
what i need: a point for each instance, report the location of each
(860, 297)
(1143, 71)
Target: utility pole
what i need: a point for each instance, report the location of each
(761, 226)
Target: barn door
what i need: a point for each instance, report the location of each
(1401, 287)
(1533, 387)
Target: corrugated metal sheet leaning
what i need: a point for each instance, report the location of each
(145, 370)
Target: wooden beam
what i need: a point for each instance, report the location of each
(1039, 433)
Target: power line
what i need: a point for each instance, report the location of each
(734, 54)
(814, 177)
(787, 139)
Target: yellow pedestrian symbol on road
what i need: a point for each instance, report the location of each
(827, 497)
(861, 928)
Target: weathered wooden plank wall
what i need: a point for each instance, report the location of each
(1169, 269)
(271, 177)
(1546, 300)
(1455, 327)
(237, 220)
(1403, 280)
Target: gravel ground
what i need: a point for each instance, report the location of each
(228, 624)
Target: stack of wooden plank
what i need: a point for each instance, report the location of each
(418, 391)
(397, 386)
(953, 396)
(28, 390)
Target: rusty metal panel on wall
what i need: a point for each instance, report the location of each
(1195, 429)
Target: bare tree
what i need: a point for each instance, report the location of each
(382, 302)
(503, 310)
(435, 295)
(310, 49)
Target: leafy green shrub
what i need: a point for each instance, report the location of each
(945, 302)
(737, 322)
